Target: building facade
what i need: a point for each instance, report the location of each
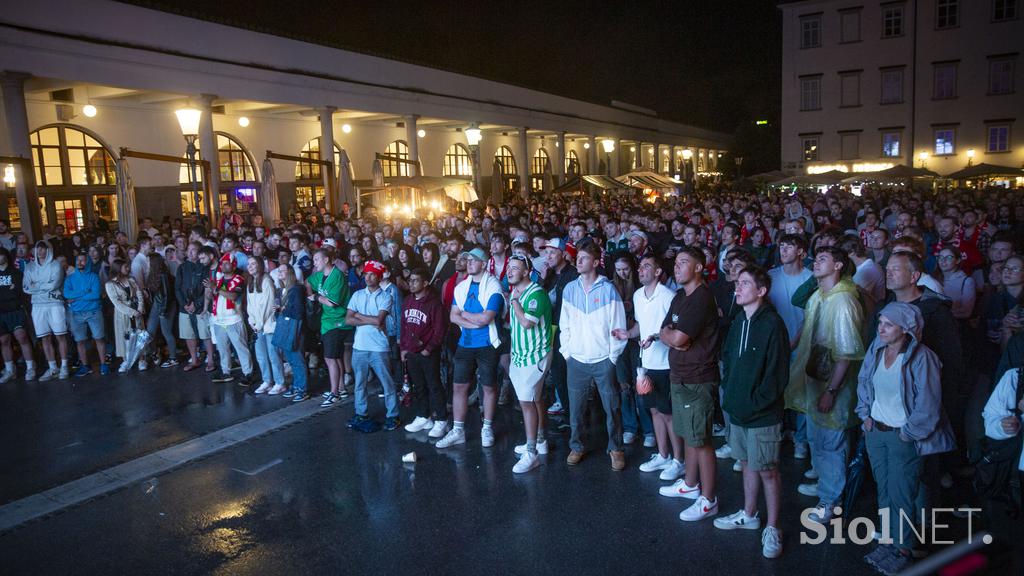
(928, 83)
(84, 79)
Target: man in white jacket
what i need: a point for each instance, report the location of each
(591, 310)
(44, 282)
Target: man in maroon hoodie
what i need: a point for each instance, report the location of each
(424, 322)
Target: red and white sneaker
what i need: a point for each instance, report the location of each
(679, 489)
(701, 509)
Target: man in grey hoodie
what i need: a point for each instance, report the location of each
(44, 282)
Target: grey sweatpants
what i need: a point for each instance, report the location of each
(579, 377)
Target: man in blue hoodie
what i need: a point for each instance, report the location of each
(82, 292)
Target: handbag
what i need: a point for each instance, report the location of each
(820, 364)
(287, 333)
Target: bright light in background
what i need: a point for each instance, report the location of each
(9, 179)
(243, 121)
(970, 152)
(89, 110)
(188, 118)
(609, 146)
(761, 122)
(923, 155)
(421, 132)
(473, 135)
(346, 128)
(687, 154)
(586, 145)
(632, 148)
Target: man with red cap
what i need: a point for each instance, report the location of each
(368, 311)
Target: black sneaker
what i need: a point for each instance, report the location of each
(392, 423)
(219, 376)
(299, 397)
(343, 392)
(289, 393)
(356, 420)
(245, 380)
(329, 400)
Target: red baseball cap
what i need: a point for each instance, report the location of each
(375, 267)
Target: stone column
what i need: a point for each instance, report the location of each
(592, 163)
(657, 159)
(208, 151)
(13, 85)
(412, 138)
(561, 153)
(614, 166)
(524, 164)
(327, 153)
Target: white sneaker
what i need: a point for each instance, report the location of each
(680, 489)
(724, 452)
(65, 373)
(262, 389)
(737, 466)
(418, 424)
(7, 377)
(628, 438)
(542, 447)
(277, 389)
(143, 365)
(650, 441)
(526, 463)
(50, 374)
(811, 474)
(821, 513)
(738, 521)
(455, 436)
(701, 509)
(487, 436)
(800, 450)
(348, 380)
(656, 462)
(771, 543)
(439, 430)
(123, 368)
(808, 489)
(673, 471)
(30, 375)
(555, 408)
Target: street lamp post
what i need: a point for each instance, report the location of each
(473, 138)
(188, 118)
(609, 146)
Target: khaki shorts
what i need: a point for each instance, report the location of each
(758, 447)
(693, 411)
(185, 331)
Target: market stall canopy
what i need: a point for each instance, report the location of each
(985, 171)
(424, 183)
(897, 172)
(648, 179)
(604, 182)
(809, 180)
(771, 176)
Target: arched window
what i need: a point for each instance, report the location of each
(572, 164)
(457, 161)
(76, 177)
(397, 149)
(309, 184)
(237, 171)
(509, 173)
(540, 167)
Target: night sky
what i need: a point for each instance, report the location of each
(710, 64)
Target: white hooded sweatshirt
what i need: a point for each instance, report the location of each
(43, 279)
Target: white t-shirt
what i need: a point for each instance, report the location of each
(887, 407)
(781, 296)
(650, 314)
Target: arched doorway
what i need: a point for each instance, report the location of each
(239, 181)
(509, 174)
(540, 170)
(309, 182)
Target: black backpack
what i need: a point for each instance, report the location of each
(996, 475)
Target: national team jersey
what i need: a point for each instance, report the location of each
(531, 345)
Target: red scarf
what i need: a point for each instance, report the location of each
(230, 285)
(492, 268)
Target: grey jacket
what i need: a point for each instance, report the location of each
(927, 424)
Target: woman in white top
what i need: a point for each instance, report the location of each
(261, 307)
(958, 286)
(126, 297)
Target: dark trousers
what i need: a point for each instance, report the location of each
(425, 383)
(557, 376)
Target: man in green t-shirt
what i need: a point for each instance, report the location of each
(327, 286)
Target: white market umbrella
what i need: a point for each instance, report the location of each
(127, 213)
(497, 183)
(345, 189)
(378, 174)
(462, 193)
(269, 203)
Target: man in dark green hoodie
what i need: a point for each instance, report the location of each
(755, 362)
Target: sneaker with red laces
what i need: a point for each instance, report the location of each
(701, 509)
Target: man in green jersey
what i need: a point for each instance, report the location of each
(327, 286)
(532, 340)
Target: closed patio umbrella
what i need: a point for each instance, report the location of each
(378, 174)
(269, 204)
(127, 213)
(345, 189)
(497, 183)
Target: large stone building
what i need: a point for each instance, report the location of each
(83, 79)
(931, 83)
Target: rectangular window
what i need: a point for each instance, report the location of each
(1000, 76)
(810, 93)
(891, 144)
(850, 145)
(849, 29)
(945, 141)
(810, 31)
(892, 86)
(945, 81)
(810, 147)
(1003, 10)
(999, 138)
(947, 14)
(850, 95)
(892, 20)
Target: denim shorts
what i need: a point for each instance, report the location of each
(84, 323)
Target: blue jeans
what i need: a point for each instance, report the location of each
(829, 452)
(269, 359)
(630, 421)
(362, 363)
(298, 364)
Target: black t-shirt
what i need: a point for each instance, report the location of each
(696, 316)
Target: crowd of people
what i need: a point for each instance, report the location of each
(885, 328)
